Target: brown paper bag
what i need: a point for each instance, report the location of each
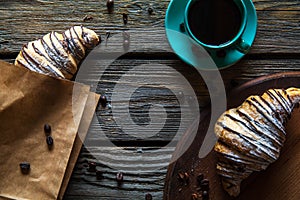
(28, 100)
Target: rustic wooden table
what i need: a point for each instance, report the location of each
(276, 49)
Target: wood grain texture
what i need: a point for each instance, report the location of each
(278, 181)
(23, 21)
(275, 49)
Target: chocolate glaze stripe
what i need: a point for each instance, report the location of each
(262, 128)
(59, 62)
(54, 46)
(49, 53)
(276, 99)
(264, 108)
(269, 110)
(70, 46)
(52, 65)
(20, 62)
(254, 154)
(276, 125)
(246, 163)
(229, 171)
(31, 65)
(282, 102)
(45, 67)
(255, 132)
(83, 36)
(31, 60)
(249, 165)
(78, 49)
(288, 97)
(81, 51)
(38, 67)
(64, 60)
(25, 64)
(262, 149)
(235, 155)
(49, 47)
(286, 103)
(268, 104)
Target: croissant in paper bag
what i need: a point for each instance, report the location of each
(58, 54)
(251, 136)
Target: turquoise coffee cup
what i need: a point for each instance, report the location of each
(202, 21)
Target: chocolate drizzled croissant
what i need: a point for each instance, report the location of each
(251, 136)
(58, 54)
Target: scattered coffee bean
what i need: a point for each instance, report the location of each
(119, 177)
(205, 195)
(47, 129)
(125, 18)
(107, 34)
(110, 4)
(150, 10)
(92, 166)
(49, 141)
(204, 184)
(200, 178)
(148, 196)
(25, 167)
(103, 100)
(194, 196)
(180, 176)
(99, 174)
(186, 178)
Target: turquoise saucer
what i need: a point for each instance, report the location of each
(184, 46)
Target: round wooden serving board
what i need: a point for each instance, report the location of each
(280, 181)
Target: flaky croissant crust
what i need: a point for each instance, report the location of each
(57, 54)
(251, 136)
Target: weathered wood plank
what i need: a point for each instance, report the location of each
(22, 22)
(85, 185)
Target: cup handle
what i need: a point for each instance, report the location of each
(242, 46)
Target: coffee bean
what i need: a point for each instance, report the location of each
(119, 177)
(92, 166)
(148, 196)
(99, 174)
(204, 184)
(110, 4)
(200, 178)
(194, 196)
(205, 195)
(107, 34)
(150, 10)
(125, 18)
(103, 100)
(25, 167)
(180, 176)
(47, 129)
(49, 141)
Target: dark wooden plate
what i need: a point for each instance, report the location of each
(280, 181)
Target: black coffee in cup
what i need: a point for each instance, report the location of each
(214, 22)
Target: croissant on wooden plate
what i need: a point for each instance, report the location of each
(251, 136)
(57, 54)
